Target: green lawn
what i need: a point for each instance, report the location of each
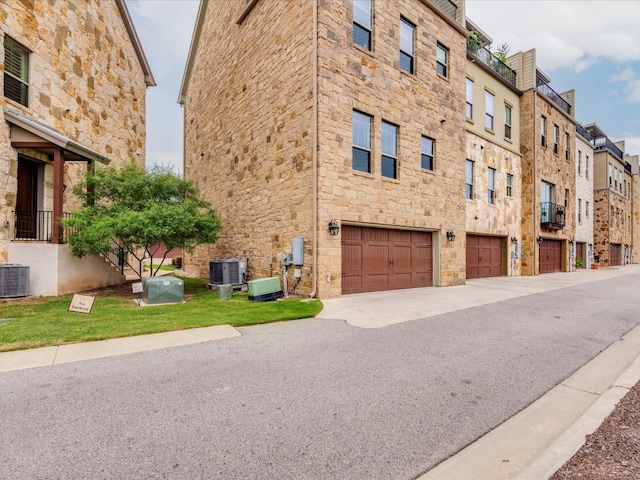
(46, 321)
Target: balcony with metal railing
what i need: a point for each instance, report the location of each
(449, 7)
(491, 60)
(552, 95)
(603, 143)
(580, 130)
(36, 226)
(552, 215)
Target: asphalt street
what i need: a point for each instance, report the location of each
(309, 399)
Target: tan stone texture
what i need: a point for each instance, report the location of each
(85, 81)
(249, 132)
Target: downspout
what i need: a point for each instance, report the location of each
(314, 155)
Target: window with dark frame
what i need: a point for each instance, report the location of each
(507, 121)
(491, 185)
(361, 142)
(442, 60)
(16, 71)
(427, 153)
(579, 162)
(469, 105)
(362, 23)
(509, 185)
(586, 210)
(579, 210)
(556, 138)
(389, 148)
(543, 131)
(586, 166)
(489, 101)
(566, 198)
(469, 180)
(406, 46)
(566, 145)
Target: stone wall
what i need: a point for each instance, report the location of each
(541, 163)
(584, 190)
(85, 81)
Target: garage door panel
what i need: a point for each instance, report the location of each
(550, 256)
(485, 256)
(377, 259)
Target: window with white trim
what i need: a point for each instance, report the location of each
(469, 180)
(16, 71)
(361, 149)
(406, 45)
(491, 185)
(489, 112)
(507, 121)
(442, 60)
(427, 153)
(362, 23)
(469, 105)
(389, 167)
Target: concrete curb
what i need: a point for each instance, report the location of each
(76, 352)
(536, 442)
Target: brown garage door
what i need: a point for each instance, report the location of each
(375, 259)
(550, 256)
(484, 256)
(614, 255)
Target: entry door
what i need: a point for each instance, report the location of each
(546, 197)
(27, 200)
(580, 251)
(614, 255)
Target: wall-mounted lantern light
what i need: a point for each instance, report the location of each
(591, 245)
(514, 240)
(571, 243)
(334, 228)
(450, 235)
(539, 240)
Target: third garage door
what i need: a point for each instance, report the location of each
(376, 259)
(484, 256)
(550, 256)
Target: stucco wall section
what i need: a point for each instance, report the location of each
(85, 81)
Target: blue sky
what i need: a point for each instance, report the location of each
(590, 46)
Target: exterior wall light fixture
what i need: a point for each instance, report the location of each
(334, 228)
(450, 235)
(539, 240)
(571, 243)
(514, 240)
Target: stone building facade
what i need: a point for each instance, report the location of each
(493, 201)
(352, 116)
(74, 84)
(584, 207)
(613, 199)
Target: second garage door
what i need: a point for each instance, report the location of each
(550, 256)
(484, 256)
(375, 259)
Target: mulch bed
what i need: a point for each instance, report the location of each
(613, 450)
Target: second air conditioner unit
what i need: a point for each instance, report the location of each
(227, 272)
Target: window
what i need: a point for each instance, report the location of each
(442, 60)
(586, 209)
(579, 162)
(615, 178)
(579, 210)
(16, 71)
(586, 166)
(427, 153)
(556, 138)
(491, 185)
(406, 46)
(389, 150)
(362, 23)
(566, 198)
(469, 180)
(610, 174)
(509, 185)
(547, 194)
(566, 145)
(361, 150)
(469, 99)
(507, 121)
(488, 104)
(543, 131)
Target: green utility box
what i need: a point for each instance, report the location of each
(225, 292)
(265, 289)
(157, 290)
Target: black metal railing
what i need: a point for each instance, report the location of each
(552, 215)
(449, 7)
(552, 95)
(627, 167)
(36, 225)
(601, 143)
(583, 133)
(491, 60)
(121, 257)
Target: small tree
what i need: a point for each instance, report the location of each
(131, 209)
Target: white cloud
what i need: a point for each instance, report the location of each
(632, 145)
(565, 33)
(631, 80)
(171, 160)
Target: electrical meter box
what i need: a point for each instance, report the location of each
(265, 289)
(157, 290)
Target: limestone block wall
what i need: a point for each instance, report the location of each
(84, 80)
(503, 217)
(634, 160)
(541, 163)
(423, 103)
(248, 133)
(584, 189)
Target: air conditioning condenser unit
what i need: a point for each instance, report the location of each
(14, 280)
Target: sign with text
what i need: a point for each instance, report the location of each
(81, 303)
(136, 287)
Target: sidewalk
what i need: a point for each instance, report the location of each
(533, 444)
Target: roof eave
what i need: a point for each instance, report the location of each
(135, 41)
(195, 39)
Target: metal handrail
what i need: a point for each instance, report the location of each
(491, 60)
(449, 7)
(552, 215)
(552, 95)
(36, 225)
(601, 143)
